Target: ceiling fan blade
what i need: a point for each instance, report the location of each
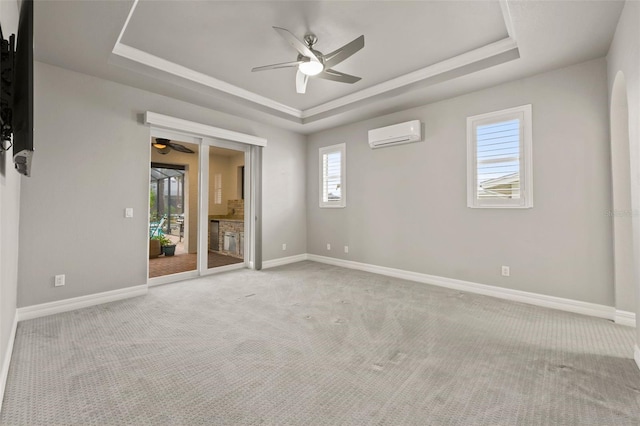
(333, 75)
(302, 48)
(276, 66)
(301, 82)
(339, 55)
(180, 148)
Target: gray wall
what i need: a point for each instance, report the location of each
(9, 219)
(624, 56)
(92, 161)
(406, 205)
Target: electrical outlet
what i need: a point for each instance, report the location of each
(505, 271)
(346, 249)
(284, 246)
(59, 281)
(328, 246)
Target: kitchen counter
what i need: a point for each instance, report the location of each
(233, 228)
(225, 219)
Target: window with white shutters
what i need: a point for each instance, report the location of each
(217, 188)
(332, 176)
(499, 159)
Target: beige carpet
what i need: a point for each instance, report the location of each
(312, 344)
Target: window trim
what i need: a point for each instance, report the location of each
(342, 149)
(524, 113)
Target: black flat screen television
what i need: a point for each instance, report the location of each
(6, 90)
(22, 114)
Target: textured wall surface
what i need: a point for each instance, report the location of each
(9, 218)
(624, 57)
(92, 161)
(407, 207)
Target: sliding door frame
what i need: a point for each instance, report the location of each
(205, 136)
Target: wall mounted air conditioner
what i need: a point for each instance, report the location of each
(408, 132)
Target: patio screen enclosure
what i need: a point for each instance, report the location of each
(166, 199)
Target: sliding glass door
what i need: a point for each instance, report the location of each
(173, 207)
(198, 207)
(225, 205)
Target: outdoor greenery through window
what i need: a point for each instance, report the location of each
(332, 176)
(166, 199)
(499, 158)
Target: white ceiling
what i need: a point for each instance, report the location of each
(415, 51)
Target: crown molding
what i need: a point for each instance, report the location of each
(327, 109)
(155, 62)
(442, 67)
(508, 22)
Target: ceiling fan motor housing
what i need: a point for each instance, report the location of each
(312, 63)
(310, 40)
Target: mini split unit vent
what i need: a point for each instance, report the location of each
(408, 132)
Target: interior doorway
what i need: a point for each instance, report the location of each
(173, 207)
(204, 138)
(622, 213)
(200, 199)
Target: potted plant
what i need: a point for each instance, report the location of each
(168, 246)
(169, 249)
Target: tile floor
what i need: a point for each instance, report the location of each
(162, 265)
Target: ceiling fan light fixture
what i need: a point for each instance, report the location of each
(165, 150)
(312, 63)
(311, 68)
(161, 143)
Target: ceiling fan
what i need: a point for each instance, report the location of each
(312, 63)
(163, 146)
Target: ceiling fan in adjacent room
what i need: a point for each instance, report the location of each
(164, 146)
(312, 63)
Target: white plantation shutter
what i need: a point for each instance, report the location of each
(332, 176)
(217, 188)
(331, 172)
(499, 159)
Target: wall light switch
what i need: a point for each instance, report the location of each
(328, 246)
(128, 212)
(346, 249)
(284, 246)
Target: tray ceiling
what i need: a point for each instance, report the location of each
(415, 51)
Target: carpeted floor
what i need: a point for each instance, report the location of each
(313, 344)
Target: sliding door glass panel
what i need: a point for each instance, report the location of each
(173, 207)
(225, 209)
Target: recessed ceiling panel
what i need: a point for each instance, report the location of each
(225, 39)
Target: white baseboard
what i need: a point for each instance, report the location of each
(625, 318)
(284, 261)
(636, 355)
(173, 278)
(6, 361)
(569, 305)
(44, 309)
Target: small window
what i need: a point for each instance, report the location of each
(499, 172)
(217, 188)
(332, 176)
